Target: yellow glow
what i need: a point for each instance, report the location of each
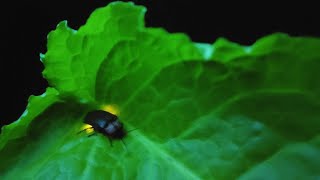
(111, 108)
(86, 126)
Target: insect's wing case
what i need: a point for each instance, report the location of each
(99, 118)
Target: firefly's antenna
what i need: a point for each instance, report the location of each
(124, 144)
(132, 130)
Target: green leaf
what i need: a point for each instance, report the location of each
(77, 55)
(74, 57)
(36, 105)
(203, 112)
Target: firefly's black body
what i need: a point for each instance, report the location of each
(105, 123)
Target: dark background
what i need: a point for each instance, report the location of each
(25, 25)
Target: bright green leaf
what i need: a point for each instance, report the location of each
(220, 112)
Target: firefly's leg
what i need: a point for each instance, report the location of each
(93, 134)
(84, 130)
(124, 144)
(110, 141)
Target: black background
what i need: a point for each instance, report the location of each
(25, 25)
